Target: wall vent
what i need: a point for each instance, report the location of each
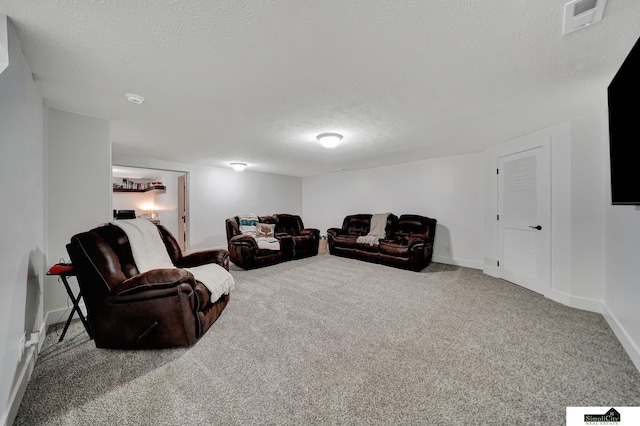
(579, 14)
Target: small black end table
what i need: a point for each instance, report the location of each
(75, 299)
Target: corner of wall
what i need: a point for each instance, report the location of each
(4, 43)
(625, 339)
(23, 376)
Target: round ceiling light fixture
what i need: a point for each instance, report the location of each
(238, 167)
(329, 140)
(134, 99)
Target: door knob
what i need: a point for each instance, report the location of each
(536, 227)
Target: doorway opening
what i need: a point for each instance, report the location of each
(158, 195)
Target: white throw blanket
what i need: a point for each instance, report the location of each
(248, 223)
(149, 252)
(266, 243)
(376, 231)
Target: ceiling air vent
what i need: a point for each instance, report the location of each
(581, 13)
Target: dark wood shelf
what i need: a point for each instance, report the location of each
(158, 188)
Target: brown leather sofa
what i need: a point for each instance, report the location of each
(408, 243)
(160, 308)
(296, 242)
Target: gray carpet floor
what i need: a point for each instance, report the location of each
(328, 340)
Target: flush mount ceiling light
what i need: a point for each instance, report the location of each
(238, 167)
(329, 140)
(134, 99)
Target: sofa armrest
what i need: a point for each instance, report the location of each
(219, 256)
(336, 231)
(244, 240)
(311, 231)
(155, 279)
(418, 241)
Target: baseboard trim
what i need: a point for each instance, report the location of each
(474, 264)
(626, 341)
(31, 354)
(591, 305)
(28, 364)
(586, 304)
(61, 315)
(491, 271)
(559, 296)
(577, 302)
(630, 347)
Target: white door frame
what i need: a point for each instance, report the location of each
(183, 212)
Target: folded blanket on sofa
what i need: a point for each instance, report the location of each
(248, 223)
(376, 231)
(149, 252)
(268, 243)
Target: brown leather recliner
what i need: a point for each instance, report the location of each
(408, 243)
(296, 241)
(160, 308)
(343, 241)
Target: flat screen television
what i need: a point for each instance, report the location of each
(624, 130)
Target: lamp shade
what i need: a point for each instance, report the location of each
(329, 140)
(238, 167)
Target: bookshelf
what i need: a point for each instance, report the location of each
(138, 186)
(152, 188)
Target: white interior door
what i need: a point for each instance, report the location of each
(524, 219)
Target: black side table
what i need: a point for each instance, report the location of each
(75, 299)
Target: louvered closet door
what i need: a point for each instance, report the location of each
(523, 205)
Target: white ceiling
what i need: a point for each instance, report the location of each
(256, 80)
(135, 173)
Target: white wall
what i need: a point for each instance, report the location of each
(22, 246)
(215, 194)
(587, 209)
(621, 268)
(79, 191)
(448, 189)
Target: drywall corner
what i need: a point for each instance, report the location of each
(4, 43)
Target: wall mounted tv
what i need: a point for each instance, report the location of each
(624, 130)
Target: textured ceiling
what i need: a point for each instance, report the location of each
(257, 80)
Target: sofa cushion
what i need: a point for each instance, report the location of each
(409, 225)
(265, 230)
(372, 248)
(288, 224)
(358, 224)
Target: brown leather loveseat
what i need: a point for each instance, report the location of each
(126, 309)
(407, 243)
(295, 241)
